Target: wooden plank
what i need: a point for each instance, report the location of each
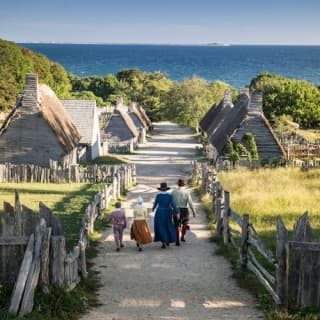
(281, 268)
(17, 210)
(297, 260)
(235, 217)
(235, 232)
(11, 256)
(13, 241)
(44, 260)
(265, 283)
(225, 222)
(57, 261)
(261, 248)
(33, 276)
(304, 246)
(266, 274)
(22, 277)
(244, 242)
(83, 264)
(29, 220)
(234, 244)
(218, 218)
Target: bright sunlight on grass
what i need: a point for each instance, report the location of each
(266, 193)
(68, 201)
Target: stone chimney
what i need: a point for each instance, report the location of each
(120, 105)
(30, 97)
(244, 91)
(132, 106)
(227, 99)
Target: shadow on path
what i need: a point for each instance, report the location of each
(188, 282)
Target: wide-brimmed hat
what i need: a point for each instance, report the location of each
(181, 182)
(163, 186)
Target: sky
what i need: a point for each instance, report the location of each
(161, 21)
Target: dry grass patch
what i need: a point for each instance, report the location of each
(266, 193)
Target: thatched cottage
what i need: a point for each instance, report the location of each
(246, 116)
(84, 115)
(38, 129)
(120, 134)
(139, 121)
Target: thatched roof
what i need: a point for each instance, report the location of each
(246, 116)
(120, 127)
(213, 115)
(129, 123)
(136, 120)
(144, 115)
(229, 121)
(39, 98)
(83, 114)
(57, 118)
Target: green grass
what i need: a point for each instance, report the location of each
(68, 201)
(65, 200)
(264, 194)
(110, 159)
(311, 135)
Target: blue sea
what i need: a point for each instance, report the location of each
(235, 64)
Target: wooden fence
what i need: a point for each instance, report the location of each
(293, 273)
(57, 174)
(228, 165)
(33, 251)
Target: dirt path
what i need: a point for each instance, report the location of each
(188, 282)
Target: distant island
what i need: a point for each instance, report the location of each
(219, 44)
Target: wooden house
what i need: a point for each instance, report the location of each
(84, 115)
(38, 129)
(120, 133)
(139, 121)
(145, 116)
(234, 121)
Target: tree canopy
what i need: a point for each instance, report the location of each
(295, 98)
(185, 102)
(16, 61)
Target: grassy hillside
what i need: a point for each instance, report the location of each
(16, 61)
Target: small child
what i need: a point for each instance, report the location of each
(119, 221)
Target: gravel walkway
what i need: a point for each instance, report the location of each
(188, 282)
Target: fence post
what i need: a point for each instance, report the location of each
(218, 193)
(225, 222)
(218, 218)
(244, 242)
(282, 265)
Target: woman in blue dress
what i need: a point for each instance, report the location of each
(164, 229)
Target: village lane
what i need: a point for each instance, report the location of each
(189, 282)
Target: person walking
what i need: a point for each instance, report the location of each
(140, 231)
(119, 221)
(183, 201)
(165, 207)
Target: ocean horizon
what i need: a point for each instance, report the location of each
(235, 64)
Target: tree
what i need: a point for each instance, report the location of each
(189, 101)
(16, 62)
(295, 98)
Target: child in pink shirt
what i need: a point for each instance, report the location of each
(119, 221)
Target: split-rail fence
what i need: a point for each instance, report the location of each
(291, 274)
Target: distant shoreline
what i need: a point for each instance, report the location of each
(170, 44)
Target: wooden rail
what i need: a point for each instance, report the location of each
(241, 239)
(292, 273)
(30, 246)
